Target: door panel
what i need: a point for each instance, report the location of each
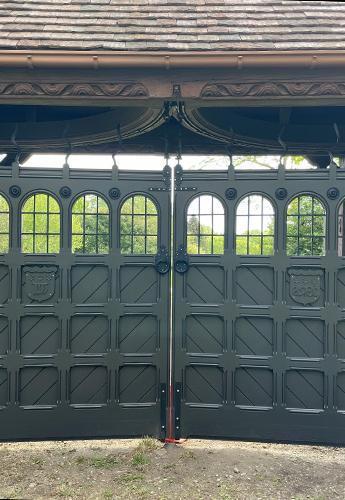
(258, 349)
(83, 331)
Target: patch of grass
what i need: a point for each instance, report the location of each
(131, 478)
(187, 455)
(148, 444)
(81, 460)
(65, 491)
(140, 459)
(108, 494)
(107, 462)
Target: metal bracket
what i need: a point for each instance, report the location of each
(179, 180)
(163, 398)
(166, 180)
(178, 397)
(181, 260)
(162, 261)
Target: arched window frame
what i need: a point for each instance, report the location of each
(84, 235)
(39, 236)
(130, 236)
(5, 235)
(311, 237)
(262, 236)
(211, 235)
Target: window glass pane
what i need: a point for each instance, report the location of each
(241, 245)
(90, 225)
(306, 228)
(54, 244)
(139, 226)
(139, 204)
(205, 245)
(27, 243)
(4, 243)
(77, 243)
(205, 226)
(41, 224)
(139, 244)
(218, 245)
(255, 220)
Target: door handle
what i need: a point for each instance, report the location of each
(162, 261)
(181, 260)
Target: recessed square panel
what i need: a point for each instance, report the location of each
(3, 387)
(304, 389)
(88, 385)
(138, 284)
(38, 386)
(254, 285)
(4, 284)
(204, 384)
(39, 335)
(254, 336)
(4, 335)
(304, 338)
(137, 384)
(305, 287)
(138, 333)
(89, 334)
(90, 284)
(254, 387)
(204, 333)
(40, 284)
(205, 284)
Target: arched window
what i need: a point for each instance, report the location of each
(305, 226)
(4, 225)
(255, 226)
(139, 226)
(90, 225)
(40, 229)
(205, 226)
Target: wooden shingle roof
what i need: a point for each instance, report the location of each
(172, 25)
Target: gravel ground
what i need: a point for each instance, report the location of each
(145, 468)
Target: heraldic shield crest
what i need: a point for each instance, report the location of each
(40, 282)
(305, 285)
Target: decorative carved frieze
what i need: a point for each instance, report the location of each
(34, 89)
(274, 89)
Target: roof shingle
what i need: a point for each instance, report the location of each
(180, 25)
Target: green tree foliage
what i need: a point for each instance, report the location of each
(201, 240)
(41, 224)
(305, 226)
(90, 225)
(4, 225)
(139, 226)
